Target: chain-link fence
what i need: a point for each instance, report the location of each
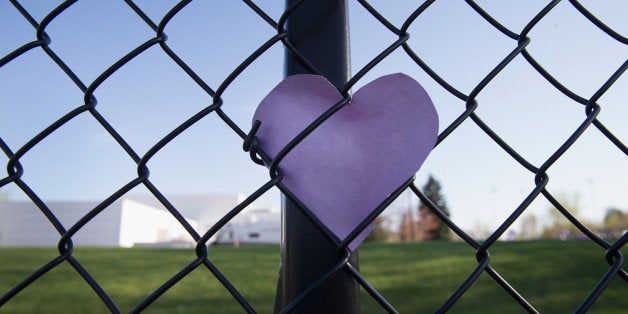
(520, 41)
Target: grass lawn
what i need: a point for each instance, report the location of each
(554, 276)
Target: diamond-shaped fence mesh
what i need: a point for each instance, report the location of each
(214, 92)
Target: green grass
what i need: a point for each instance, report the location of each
(416, 278)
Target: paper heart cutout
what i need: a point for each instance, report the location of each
(352, 162)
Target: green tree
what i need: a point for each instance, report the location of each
(380, 232)
(529, 227)
(432, 189)
(407, 227)
(560, 227)
(615, 221)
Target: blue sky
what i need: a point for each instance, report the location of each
(150, 96)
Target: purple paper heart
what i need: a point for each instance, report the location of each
(352, 162)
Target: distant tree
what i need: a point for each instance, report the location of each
(432, 190)
(407, 227)
(560, 227)
(529, 227)
(4, 196)
(615, 221)
(480, 230)
(428, 224)
(380, 232)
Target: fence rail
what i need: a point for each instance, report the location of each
(521, 40)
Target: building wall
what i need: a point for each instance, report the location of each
(206, 209)
(254, 226)
(141, 224)
(258, 233)
(140, 220)
(23, 224)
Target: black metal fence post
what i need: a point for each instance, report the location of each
(318, 29)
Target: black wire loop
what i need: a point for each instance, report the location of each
(250, 143)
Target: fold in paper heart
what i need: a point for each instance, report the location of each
(354, 160)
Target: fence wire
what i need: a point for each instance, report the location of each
(612, 255)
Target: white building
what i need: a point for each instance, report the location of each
(134, 220)
(255, 225)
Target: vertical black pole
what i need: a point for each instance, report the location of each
(319, 30)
